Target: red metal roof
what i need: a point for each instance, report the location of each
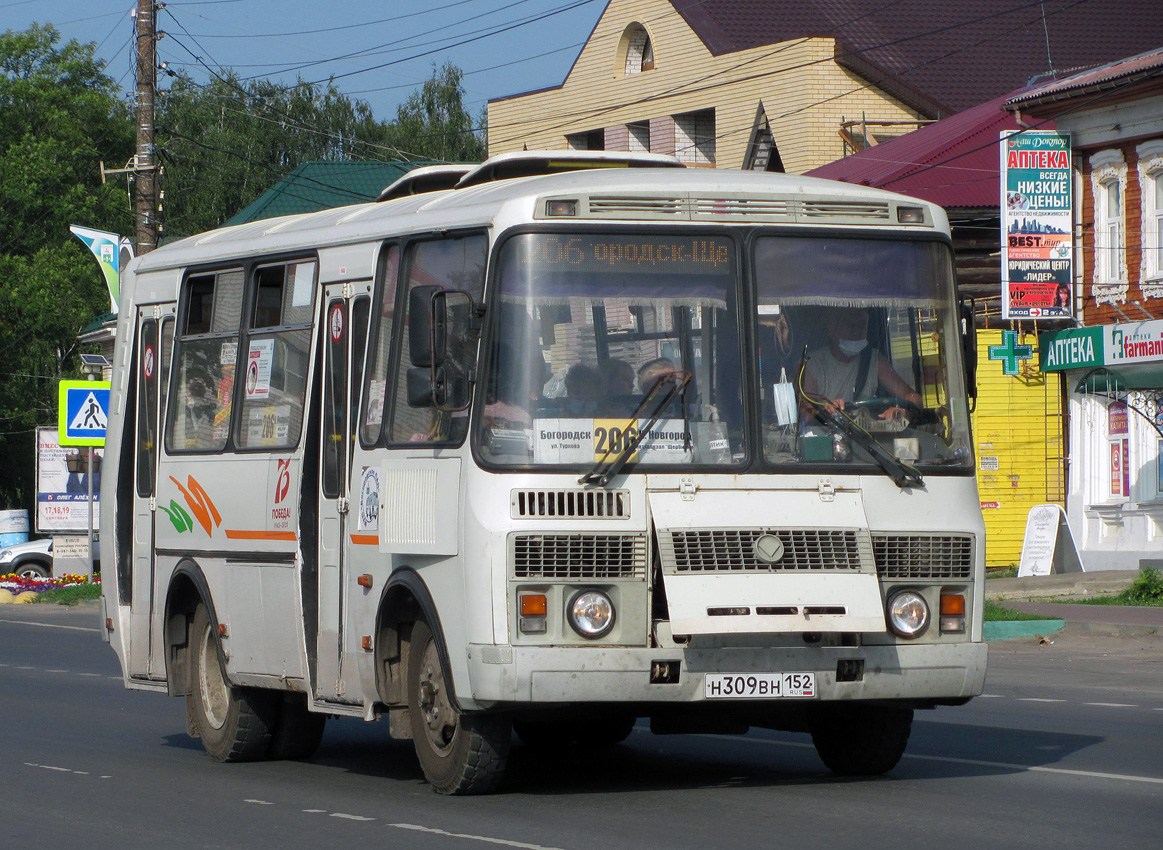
(940, 56)
(1149, 63)
(953, 162)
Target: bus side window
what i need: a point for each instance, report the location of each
(199, 406)
(380, 351)
(453, 263)
(278, 346)
(147, 384)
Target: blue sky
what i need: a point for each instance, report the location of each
(377, 51)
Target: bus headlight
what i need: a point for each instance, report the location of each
(908, 613)
(591, 613)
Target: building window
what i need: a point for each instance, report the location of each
(591, 140)
(694, 137)
(1151, 192)
(1108, 183)
(639, 137)
(635, 51)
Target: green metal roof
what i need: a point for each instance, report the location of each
(315, 186)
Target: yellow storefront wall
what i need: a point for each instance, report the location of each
(1017, 431)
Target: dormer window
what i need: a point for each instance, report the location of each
(636, 51)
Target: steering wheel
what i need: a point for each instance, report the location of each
(877, 406)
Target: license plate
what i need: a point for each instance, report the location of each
(759, 685)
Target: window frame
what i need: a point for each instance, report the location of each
(241, 333)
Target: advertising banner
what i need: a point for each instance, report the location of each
(1036, 225)
(113, 252)
(62, 487)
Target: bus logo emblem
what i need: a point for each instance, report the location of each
(768, 548)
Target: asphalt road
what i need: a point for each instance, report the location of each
(1064, 751)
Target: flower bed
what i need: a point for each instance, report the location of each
(16, 584)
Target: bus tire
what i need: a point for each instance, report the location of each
(861, 740)
(234, 723)
(459, 753)
(297, 731)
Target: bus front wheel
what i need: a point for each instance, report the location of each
(459, 753)
(234, 723)
(861, 740)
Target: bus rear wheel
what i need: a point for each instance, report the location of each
(459, 753)
(235, 724)
(861, 740)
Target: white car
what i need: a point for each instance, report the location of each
(28, 560)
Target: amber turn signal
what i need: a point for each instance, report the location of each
(533, 605)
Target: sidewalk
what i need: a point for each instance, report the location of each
(1017, 593)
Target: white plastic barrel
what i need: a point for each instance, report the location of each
(13, 527)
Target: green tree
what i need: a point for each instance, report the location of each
(433, 123)
(225, 143)
(60, 116)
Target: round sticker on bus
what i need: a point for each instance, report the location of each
(147, 362)
(337, 323)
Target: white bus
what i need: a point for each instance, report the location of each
(550, 452)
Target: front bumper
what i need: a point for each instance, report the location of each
(548, 675)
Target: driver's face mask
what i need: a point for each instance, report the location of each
(851, 347)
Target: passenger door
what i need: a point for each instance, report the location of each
(343, 334)
(155, 334)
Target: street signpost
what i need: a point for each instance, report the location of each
(82, 417)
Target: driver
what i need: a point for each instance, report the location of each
(847, 370)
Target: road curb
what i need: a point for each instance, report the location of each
(1008, 629)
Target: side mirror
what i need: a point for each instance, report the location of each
(443, 387)
(967, 308)
(427, 321)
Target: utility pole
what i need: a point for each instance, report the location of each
(144, 164)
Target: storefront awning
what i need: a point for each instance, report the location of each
(1123, 379)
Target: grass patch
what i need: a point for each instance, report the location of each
(73, 595)
(995, 612)
(1002, 572)
(1146, 591)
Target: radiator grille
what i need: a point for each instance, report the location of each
(578, 556)
(570, 504)
(733, 550)
(912, 556)
(720, 207)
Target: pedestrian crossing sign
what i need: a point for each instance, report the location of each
(83, 412)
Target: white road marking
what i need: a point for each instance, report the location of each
(991, 696)
(50, 625)
(315, 811)
(978, 763)
(56, 671)
(485, 838)
(1038, 699)
(90, 674)
(50, 767)
(259, 802)
(349, 817)
(1112, 704)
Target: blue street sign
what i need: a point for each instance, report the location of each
(83, 412)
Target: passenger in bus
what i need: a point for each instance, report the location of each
(650, 373)
(585, 386)
(848, 369)
(619, 378)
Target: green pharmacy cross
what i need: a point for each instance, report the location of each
(1009, 352)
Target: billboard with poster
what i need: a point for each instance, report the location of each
(1036, 224)
(62, 486)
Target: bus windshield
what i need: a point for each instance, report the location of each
(604, 340)
(631, 344)
(857, 348)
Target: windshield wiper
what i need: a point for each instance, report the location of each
(901, 473)
(606, 468)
